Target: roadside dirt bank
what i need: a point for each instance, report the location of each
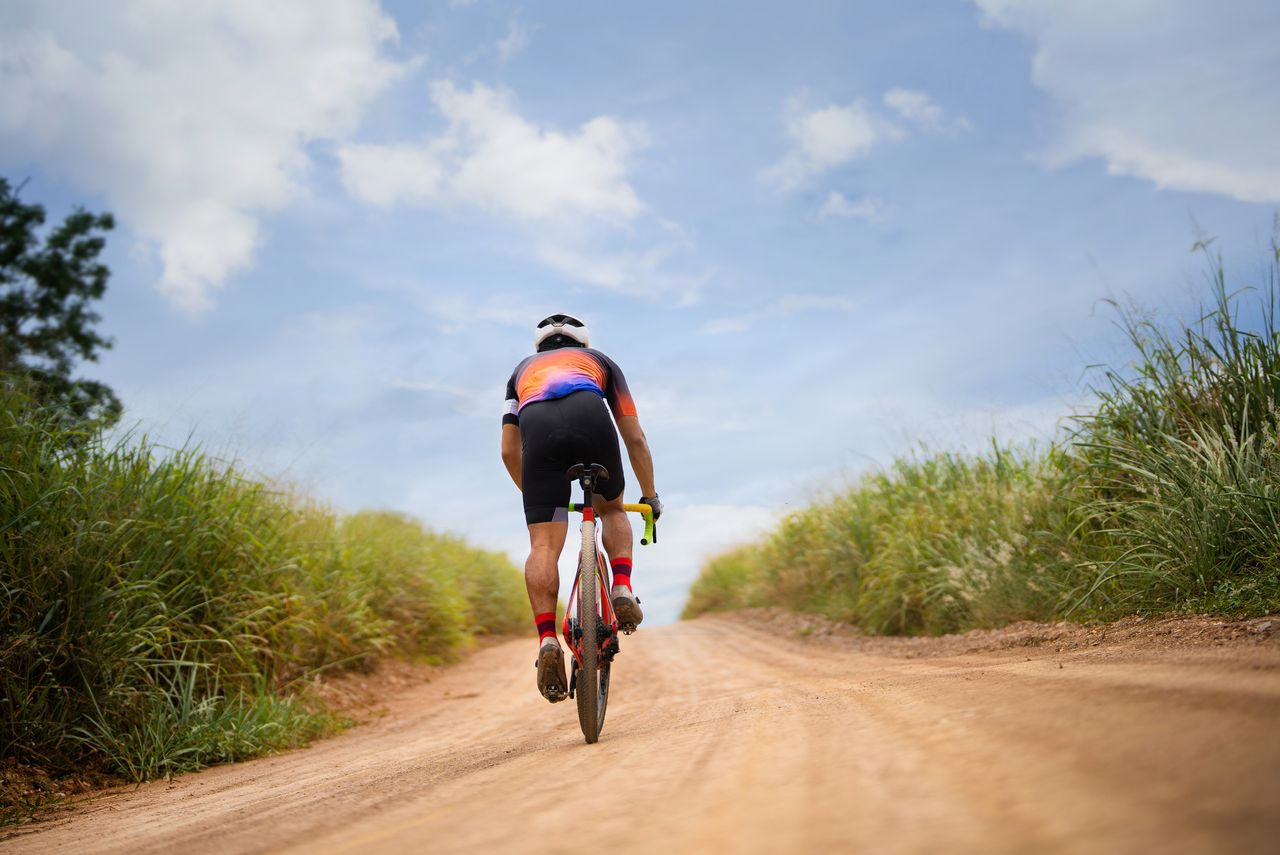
(1149, 633)
(730, 733)
(357, 696)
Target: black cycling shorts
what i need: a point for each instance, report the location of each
(556, 434)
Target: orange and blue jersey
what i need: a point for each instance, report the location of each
(557, 373)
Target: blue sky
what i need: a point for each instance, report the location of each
(812, 236)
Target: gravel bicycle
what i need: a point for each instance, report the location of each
(590, 627)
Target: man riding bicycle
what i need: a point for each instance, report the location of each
(555, 417)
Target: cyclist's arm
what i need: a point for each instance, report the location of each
(512, 453)
(638, 450)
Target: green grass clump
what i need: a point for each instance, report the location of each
(159, 610)
(1165, 498)
(1179, 468)
(938, 542)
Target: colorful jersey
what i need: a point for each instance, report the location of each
(556, 373)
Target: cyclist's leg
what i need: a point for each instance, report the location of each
(546, 497)
(542, 579)
(541, 570)
(615, 527)
(618, 542)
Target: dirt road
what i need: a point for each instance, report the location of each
(723, 737)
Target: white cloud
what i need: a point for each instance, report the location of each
(638, 272)
(571, 189)
(837, 205)
(787, 304)
(834, 135)
(492, 158)
(826, 138)
(730, 324)
(458, 313)
(920, 109)
(792, 303)
(701, 531)
(350, 323)
(689, 535)
(386, 174)
(192, 119)
(467, 400)
(515, 41)
(909, 420)
(1176, 92)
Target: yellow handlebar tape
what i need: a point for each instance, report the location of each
(644, 510)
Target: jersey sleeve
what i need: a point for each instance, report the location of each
(616, 391)
(511, 409)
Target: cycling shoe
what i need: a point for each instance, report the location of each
(626, 605)
(552, 683)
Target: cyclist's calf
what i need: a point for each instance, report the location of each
(615, 527)
(541, 571)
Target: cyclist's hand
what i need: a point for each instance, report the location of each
(653, 502)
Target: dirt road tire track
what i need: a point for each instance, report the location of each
(722, 737)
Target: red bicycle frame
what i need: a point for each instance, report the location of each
(604, 606)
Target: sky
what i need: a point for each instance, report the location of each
(814, 235)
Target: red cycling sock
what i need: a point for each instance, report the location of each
(546, 625)
(621, 572)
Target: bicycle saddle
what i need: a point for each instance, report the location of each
(576, 471)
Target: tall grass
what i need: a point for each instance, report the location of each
(159, 609)
(1165, 498)
(1180, 464)
(937, 542)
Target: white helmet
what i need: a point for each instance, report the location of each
(561, 324)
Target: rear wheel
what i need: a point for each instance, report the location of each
(603, 693)
(607, 636)
(587, 690)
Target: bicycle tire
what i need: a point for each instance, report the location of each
(587, 690)
(606, 660)
(604, 696)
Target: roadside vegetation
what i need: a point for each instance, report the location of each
(1166, 498)
(160, 611)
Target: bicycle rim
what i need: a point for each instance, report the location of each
(587, 691)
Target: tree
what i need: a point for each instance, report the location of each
(47, 286)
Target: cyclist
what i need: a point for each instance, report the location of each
(555, 417)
